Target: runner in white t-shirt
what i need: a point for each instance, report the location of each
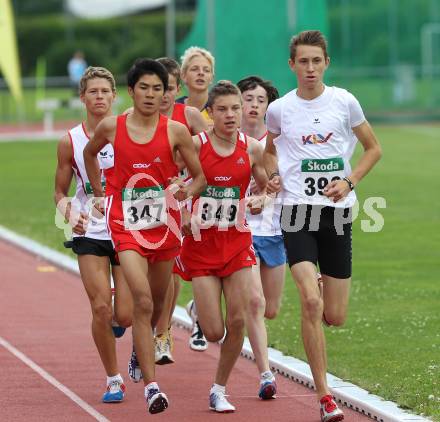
(309, 144)
(269, 273)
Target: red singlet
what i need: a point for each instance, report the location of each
(178, 115)
(225, 244)
(138, 213)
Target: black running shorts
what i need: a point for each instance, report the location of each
(89, 246)
(318, 234)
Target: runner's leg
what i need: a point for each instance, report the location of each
(304, 274)
(95, 274)
(236, 291)
(272, 280)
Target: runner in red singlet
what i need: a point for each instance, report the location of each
(217, 253)
(141, 212)
(192, 118)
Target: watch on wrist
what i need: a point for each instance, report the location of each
(350, 183)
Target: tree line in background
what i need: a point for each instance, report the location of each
(361, 33)
(113, 43)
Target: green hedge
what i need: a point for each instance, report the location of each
(113, 43)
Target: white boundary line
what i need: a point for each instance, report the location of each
(53, 381)
(349, 394)
(33, 136)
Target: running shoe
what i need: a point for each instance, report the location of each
(268, 389)
(197, 341)
(162, 349)
(330, 411)
(115, 392)
(219, 403)
(156, 400)
(134, 370)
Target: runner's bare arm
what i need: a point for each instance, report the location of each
(104, 134)
(271, 164)
(195, 120)
(184, 145)
(63, 179)
(256, 202)
(63, 175)
(338, 190)
(258, 170)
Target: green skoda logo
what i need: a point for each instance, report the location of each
(134, 194)
(322, 165)
(220, 192)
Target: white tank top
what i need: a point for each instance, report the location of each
(315, 144)
(268, 222)
(97, 228)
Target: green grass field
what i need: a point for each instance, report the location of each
(390, 344)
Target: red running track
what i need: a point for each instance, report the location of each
(45, 315)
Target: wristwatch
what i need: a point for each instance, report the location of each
(350, 183)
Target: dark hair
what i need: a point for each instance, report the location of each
(171, 66)
(315, 38)
(222, 87)
(251, 82)
(143, 67)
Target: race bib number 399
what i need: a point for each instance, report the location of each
(218, 206)
(316, 174)
(144, 208)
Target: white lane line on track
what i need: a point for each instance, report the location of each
(53, 381)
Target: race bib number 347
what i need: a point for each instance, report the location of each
(144, 208)
(316, 174)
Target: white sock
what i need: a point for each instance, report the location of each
(266, 375)
(150, 386)
(218, 388)
(116, 377)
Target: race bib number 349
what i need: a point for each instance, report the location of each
(218, 206)
(316, 174)
(144, 208)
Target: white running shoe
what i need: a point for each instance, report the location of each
(162, 349)
(156, 400)
(218, 403)
(197, 341)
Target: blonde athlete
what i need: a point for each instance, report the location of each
(91, 241)
(197, 74)
(309, 144)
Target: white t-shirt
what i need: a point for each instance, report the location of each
(315, 143)
(267, 223)
(97, 228)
